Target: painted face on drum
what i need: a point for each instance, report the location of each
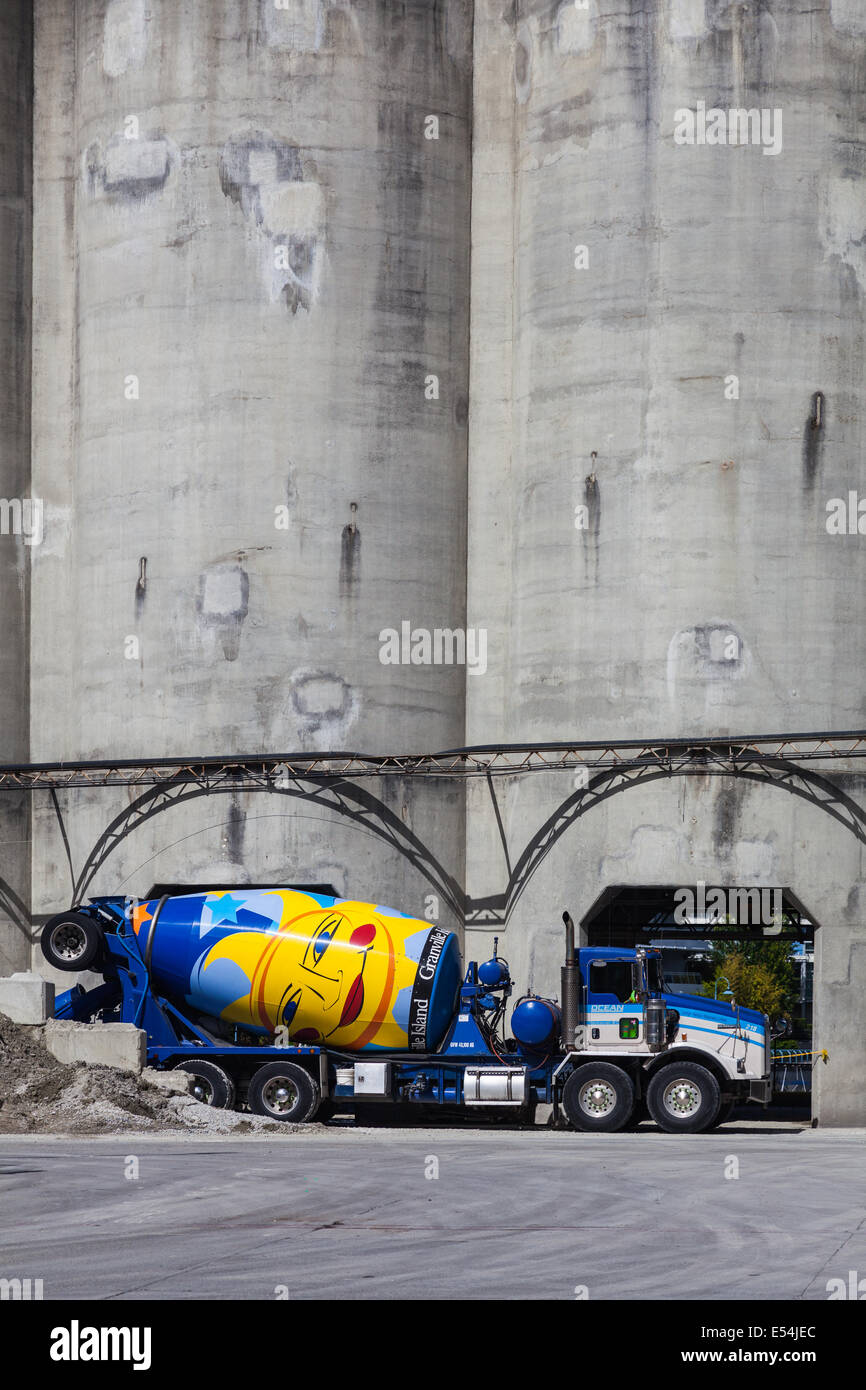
(328, 991)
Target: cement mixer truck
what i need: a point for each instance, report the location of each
(298, 1006)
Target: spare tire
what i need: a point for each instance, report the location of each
(71, 941)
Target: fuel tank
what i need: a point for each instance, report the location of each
(358, 977)
(536, 1023)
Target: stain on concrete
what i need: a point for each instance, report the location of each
(233, 840)
(592, 532)
(350, 555)
(252, 160)
(292, 495)
(712, 653)
(457, 18)
(813, 439)
(726, 817)
(141, 586)
(222, 604)
(401, 287)
(523, 64)
(324, 706)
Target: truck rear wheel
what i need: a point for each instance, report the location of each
(283, 1091)
(71, 941)
(684, 1098)
(598, 1096)
(210, 1084)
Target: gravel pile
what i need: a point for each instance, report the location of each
(39, 1095)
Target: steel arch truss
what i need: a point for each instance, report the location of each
(343, 797)
(802, 782)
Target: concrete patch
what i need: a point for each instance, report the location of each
(710, 653)
(297, 25)
(687, 19)
(843, 223)
(223, 603)
(848, 15)
(576, 27)
(129, 170)
(267, 178)
(124, 36)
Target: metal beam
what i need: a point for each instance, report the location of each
(273, 771)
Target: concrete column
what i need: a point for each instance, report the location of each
(839, 1086)
(20, 516)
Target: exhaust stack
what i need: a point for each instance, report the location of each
(570, 987)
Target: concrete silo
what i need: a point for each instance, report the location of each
(251, 260)
(668, 395)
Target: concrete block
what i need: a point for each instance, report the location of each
(120, 1045)
(26, 998)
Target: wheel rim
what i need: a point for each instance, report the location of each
(596, 1097)
(68, 941)
(202, 1089)
(682, 1097)
(280, 1095)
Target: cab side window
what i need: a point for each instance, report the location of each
(611, 982)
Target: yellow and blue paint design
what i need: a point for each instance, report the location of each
(330, 971)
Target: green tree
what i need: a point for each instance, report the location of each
(755, 984)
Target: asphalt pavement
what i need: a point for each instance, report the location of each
(752, 1211)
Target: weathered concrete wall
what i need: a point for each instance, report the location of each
(702, 591)
(18, 520)
(265, 259)
(249, 262)
(667, 390)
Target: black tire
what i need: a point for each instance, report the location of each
(71, 941)
(283, 1091)
(211, 1085)
(724, 1113)
(599, 1097)
(639, 1114)
(684, 1098)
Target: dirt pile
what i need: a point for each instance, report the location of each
(39, 1095)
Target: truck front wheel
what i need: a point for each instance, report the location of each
(210, 1084)
(598, 1096)
(283, 1091)
(684, 1098)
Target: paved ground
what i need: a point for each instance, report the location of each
(351, 1213)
